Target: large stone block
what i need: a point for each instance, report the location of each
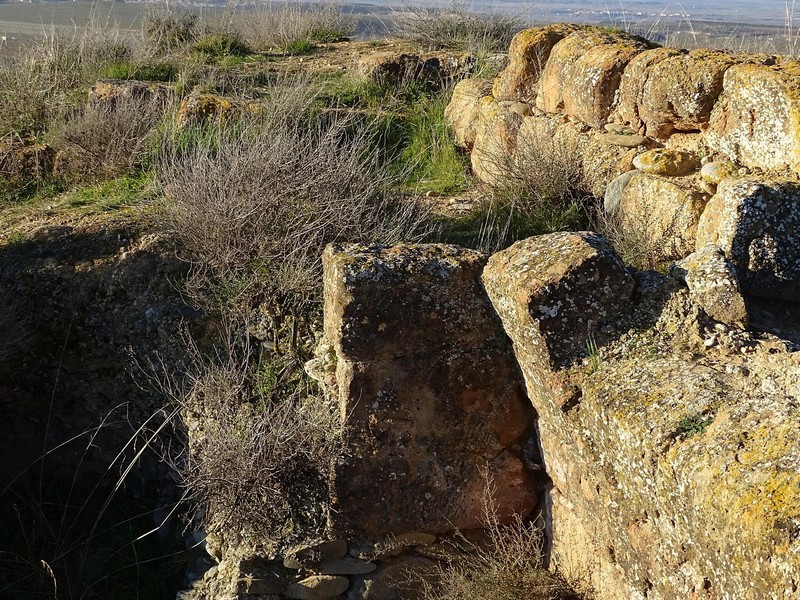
(756, 121)
(431, 398)
(665, 91)
(756, 224)
(582, 76)
(632, 83)
(495, 141)
(462, 112)
(672, 477)
(398, 302)
(660, 214)
(527, 55)
(555, 291)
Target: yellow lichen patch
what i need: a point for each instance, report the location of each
(768, 501)
(767, 444)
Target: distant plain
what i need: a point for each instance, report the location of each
(766, 25)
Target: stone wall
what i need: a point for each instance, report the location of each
(681, 145)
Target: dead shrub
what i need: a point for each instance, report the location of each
(111, 138)
(539, 188)
(262, 443)
(508, 566)
(647, 244)
(254, 203)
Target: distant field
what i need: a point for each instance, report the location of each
(714, 24)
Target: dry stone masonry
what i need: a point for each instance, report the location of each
(675, 141)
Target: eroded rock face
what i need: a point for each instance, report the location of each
(583, 73)
(429, 392)
(756, 223)
(672, 477)
(527, 55)
(756, 121)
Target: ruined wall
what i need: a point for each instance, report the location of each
(685, 147)
(670, 440)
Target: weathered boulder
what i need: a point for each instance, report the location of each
(713, 285)
(495, 141)
(107, 92)
(632, 84)
(555, 291)
(399, 69)
(462, 113)
(661, 214)
(756, 224)
(667, 162)
(756, 122)
(429, 393)
(199, 107)
(582, 76)
(668, 91)
(527, 56)
(715, 171)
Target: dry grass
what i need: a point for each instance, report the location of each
(538, 189)
(36, 82)
(510, 566)
(165, 29)
(456, 27)
(281, 26)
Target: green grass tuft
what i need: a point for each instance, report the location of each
(219, 45)
(434, 162)
(161, 71)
